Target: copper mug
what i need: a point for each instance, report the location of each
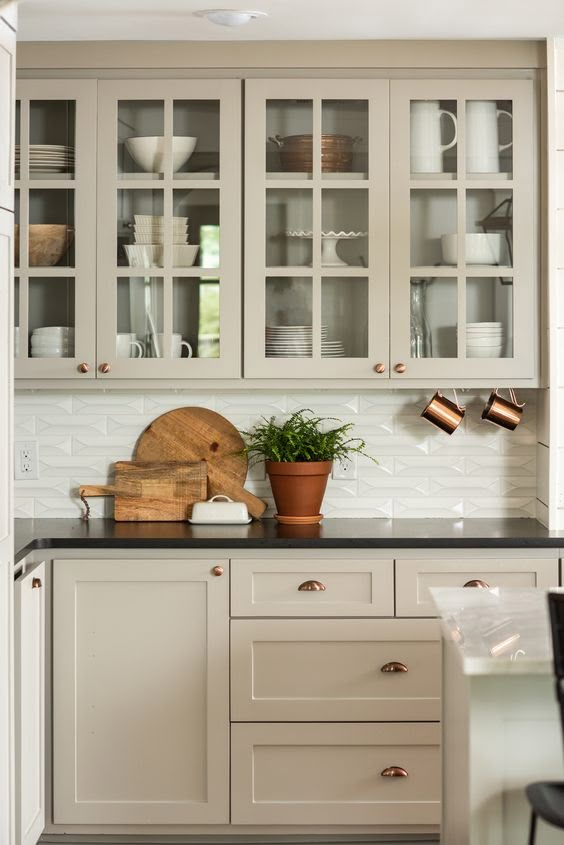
(444, 413)
(504, 412)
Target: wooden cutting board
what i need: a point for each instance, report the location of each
(195, 434)
(158, 491)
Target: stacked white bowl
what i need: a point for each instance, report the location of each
(147, 251)
(52, 342)
(484, 340)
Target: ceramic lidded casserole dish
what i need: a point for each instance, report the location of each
(220, 509)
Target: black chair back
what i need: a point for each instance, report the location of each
(556, 614)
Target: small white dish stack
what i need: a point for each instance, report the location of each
(48, 158)
(52, 342)
(485, 340)
(148, 234)
(297, 342)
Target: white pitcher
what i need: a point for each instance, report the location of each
(482, 136)
(426, 148)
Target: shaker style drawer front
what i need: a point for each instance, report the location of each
(335, 774)
(335, 670)
(297, 587)
(414, 578)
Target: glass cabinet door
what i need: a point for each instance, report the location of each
(316, 292)
(169, 211)
(55, 229)
(463, 261)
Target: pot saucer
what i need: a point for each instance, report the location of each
(298, 520)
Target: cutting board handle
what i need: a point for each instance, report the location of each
(96, 490)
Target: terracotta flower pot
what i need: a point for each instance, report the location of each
(298, 489)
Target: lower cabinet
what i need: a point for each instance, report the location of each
(376, 774)
(141, 692)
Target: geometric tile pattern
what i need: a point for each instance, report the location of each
(479, 471)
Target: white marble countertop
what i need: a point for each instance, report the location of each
(501, 631)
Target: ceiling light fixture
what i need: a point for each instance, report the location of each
(230, 17)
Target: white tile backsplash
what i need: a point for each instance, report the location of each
(479, 471)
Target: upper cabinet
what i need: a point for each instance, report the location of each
(55, 233)
(7, 89)
(169, 208)
(463, 257)
(316, 280)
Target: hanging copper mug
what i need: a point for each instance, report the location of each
(502, 411)
(444, 413)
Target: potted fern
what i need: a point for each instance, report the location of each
(298, 453)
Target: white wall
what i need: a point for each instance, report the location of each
(479, 471)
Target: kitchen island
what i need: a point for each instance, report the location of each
(501, 727)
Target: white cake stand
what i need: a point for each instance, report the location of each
(329, 241)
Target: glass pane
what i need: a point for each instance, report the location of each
(51, 317)
(288, 227)
(433, 137)
(18, 118)
(489, 138)
(344, 317)
(196, 125)
(139, 317)
(344, 141)
(433, 214)
(196, 317)
(139, 228)
(199, 211)
(489, 312)
(51, 139)
(289, 147)
(141, 142)
(344, 216)
(288, 318)
(16, 228)
(50, 230)
(16, 317)
(433, 317)
(489, 224)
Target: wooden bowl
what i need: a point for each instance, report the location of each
(48, 242)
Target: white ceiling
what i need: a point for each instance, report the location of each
(90, 20)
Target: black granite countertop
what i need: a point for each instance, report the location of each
(268, 534)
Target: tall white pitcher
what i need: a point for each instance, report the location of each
(426, 148)
(482, 136)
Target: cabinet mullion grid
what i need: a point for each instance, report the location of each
(317, 222)
(461, 240)
(23, 271)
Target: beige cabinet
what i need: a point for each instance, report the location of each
(463, 229)
(55, 236)
(387, 774)
(169, 253)
(7, 88)
(141, 692)
(29, 652)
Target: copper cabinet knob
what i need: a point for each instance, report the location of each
(218, 570)
(394, 772)
(84, 367)
(35, 583)
(400, 368)
(105, 367)
(379, 368)
(394, 666)
(314, 586)
(477, 582)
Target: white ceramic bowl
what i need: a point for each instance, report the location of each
(481, 248)
(157, 220)
(496, 325)
(143, 238)
(144, 255)
(480, 342)
(485, 352)
(184, 255)
(54, 330)
(148, 151)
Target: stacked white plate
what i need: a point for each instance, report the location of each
(52, 342)
(48, 158)
(147, 251)
(484, 340)
(149, 229)
(297, 342)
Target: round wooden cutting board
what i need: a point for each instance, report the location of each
(196, 434)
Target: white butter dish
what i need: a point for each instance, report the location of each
(220, 510)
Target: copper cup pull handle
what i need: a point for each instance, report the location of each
(35, 583)
(400, 368)
(84, 367)
(105, 367)
(311, 586)
(394, 666)
(394, 772)
(380, 368)
(477, 582)
(218, 570)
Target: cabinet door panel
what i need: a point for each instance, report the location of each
(7, 88)
(141, 705)
(29, 615)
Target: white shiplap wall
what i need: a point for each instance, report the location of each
(480, 471)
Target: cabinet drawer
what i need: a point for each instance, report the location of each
(272, 588)
(415, 577)
(332, 670)
(332, 774)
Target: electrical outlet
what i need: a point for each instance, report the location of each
(26, 461)
(344, 470)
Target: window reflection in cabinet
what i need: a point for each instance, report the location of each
(344, 317)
